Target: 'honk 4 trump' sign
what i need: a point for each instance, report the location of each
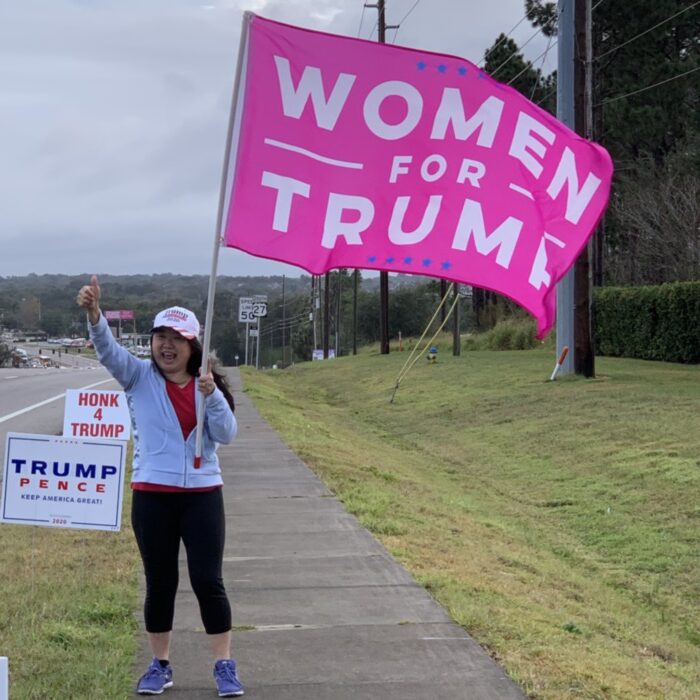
(96, 414)
(55, 481)
(349, 153)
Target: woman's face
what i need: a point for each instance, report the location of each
(171, 351)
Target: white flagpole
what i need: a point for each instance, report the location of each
(4, 675)
(233, 124)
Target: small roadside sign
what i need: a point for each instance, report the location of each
(245, 310)
(54, 481)
(96, 414)
(260, 305)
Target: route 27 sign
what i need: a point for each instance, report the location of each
(260, 305)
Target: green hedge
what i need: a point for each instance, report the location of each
(650, 323)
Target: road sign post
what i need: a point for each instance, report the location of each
(257, 346)
(259, 311)
(245, 315)
(250, 311)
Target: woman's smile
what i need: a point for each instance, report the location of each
(171, 351)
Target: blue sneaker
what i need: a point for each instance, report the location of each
(156, 679)
(227, 682)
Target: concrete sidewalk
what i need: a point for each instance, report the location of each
(320, 609)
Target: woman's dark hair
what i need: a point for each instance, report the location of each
(195, 363)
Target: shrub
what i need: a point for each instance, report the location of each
(510, 334)
(649, 323)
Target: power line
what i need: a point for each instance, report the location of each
(646, 31)
(505, 38)
(648, 87)
(362, 19)
(547, 96)
(279, 324)
(404, 18)
(514, 54)
(529, 63)
(376, 24)
(546, 51)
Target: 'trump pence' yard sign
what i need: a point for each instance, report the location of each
(55, 481)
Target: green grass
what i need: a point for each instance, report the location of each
(557, 522)
(67, 602)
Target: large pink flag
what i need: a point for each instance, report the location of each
(349, 153)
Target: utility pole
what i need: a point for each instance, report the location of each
(354, 312)
(339, 292)
(383, 276)
(326, 315)
(595, 130)
(565, 114)
(584, 358)
(314, 306)
(284, 321)
(574, 109)
(456, 338)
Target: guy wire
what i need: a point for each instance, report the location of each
(405, 370)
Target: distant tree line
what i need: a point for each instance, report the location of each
(47, 303)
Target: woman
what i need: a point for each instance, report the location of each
(173, 500)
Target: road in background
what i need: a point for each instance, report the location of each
(32, 400)
(73, 358)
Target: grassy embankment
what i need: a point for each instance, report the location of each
(557, 522)
(67, 601)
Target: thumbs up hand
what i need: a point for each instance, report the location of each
(89, 299)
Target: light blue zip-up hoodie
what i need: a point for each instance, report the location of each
(161, 454)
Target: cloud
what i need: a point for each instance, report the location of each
(113, 118)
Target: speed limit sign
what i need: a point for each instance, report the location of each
(245, 310)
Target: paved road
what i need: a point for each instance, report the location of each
(31, 400)
(321, 610)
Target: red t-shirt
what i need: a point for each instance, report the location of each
(182, 399)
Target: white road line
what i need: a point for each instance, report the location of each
(312, 155)
(9, 416)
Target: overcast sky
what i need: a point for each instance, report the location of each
(113, 117)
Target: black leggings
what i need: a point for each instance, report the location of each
(160, 521)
